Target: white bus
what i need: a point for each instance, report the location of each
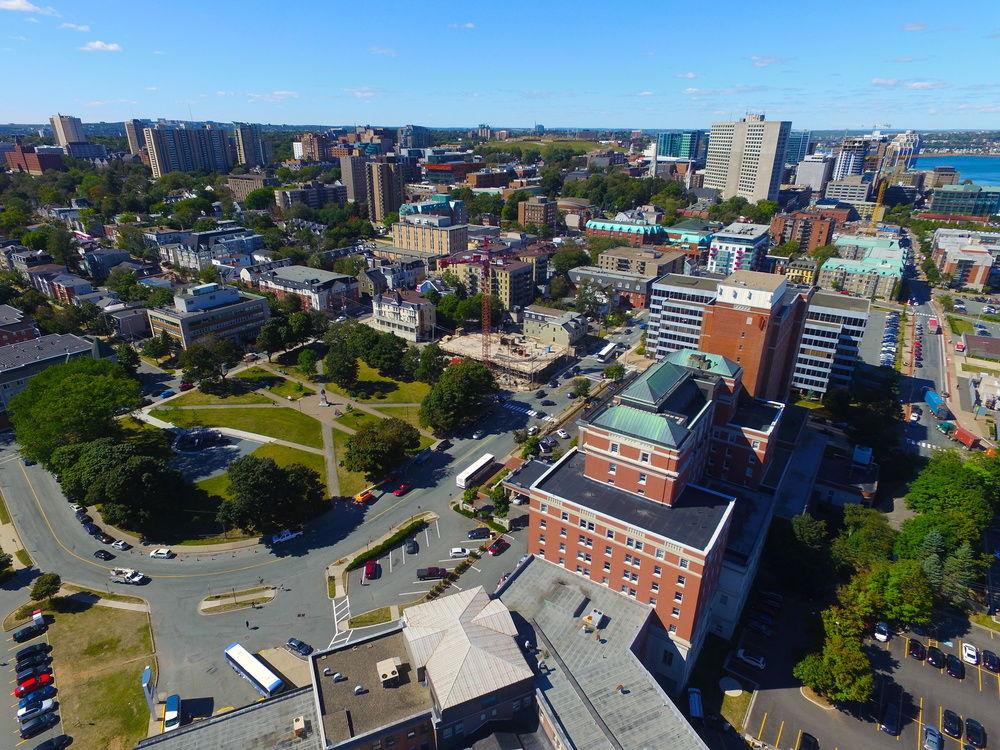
(607, 352)
(251, 669)
(468, 477)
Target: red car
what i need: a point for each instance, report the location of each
(186, 386)
(31, 685)
(498, 547)
(371, 570)
(402, 489)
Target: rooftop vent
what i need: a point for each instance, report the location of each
(388, 670)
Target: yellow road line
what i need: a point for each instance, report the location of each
(979, 668)
(762, 722)
(777, 742)
(798, 739)
(920, 722)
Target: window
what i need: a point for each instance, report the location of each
(675, 612)
(678, 597)
(612, 468)
(562, 546)
(541, 538)
(610, 534)
(541, 523)
(638, 544)
(564, 516)
(607, 567)
(516, 705)
(582, 539)
(681, 580)
(685, 562)
(755, 444)
(672, 629)
(642, 478)
(644, 457)
(625, 575)
(614, 447)
(632, 593)
(604, 580)
(624, 589)
(543, 507)
(657, 570)
(583, 523)
(652, 600)
(607, 550)
(628, 558)
(659, 553)
(655, 586)
(562, 532)
(629, 542)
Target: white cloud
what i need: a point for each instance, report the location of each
(23, 6)
(273, 96)
(152, 88)
(31, 19)
(361, 93)
(907, 59)
(885, 82)
(691, 90)
(924, 85)
(763, 62)
(99, 46)
(18, 38)
(159, 52)
(75, 26)
(466, 25)
(645, 93)
(913, 27)
(108, 102)
(384, 51)
(689, 75)
(225, 93)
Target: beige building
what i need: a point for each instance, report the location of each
(561, 328)
(354, 175)
(745, 157)
(67, 129)
(537, 210)
(406, 314)
(511, 281)
(384, 189)
(241, 185)
(251, 148)
(210, 310)
(645, 261)
(430, 233)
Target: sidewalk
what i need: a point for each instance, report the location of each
(205, 605)
(10, 542)
(97, 600)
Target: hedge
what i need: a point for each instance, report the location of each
(379, 549)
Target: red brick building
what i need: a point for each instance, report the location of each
(811, 229)
(25, 159)
(967, 266)
(626, 508)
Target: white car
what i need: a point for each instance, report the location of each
(562, 433)
(755, 660)
(477, 435)
(914, 416)
(970, 654)
(458, 552)
(882, 632)
(76, 508)
(285, 536)
(161, 554)
(122, 545)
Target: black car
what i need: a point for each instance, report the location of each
(935, 657)
(954, 667)
(951, 725)
(890, 719)
(28, 632)
(975, 735)
(90, 528)
(55, 743)
(548, 402)
(83, 517)
(410, 546)
(36, 726)
(29, 651)
(916, 650)
(35, 660)
(103, 538)
(540, 393)
(23, 673)
(991, 661)
(300, 648)
(808, 742)
(480, 532)
(103, 554)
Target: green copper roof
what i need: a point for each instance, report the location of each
(642, 424)
(654, 384)
(714, 363)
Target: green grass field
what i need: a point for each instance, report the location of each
(409, 414)
(282, 455)
(291, 388)
(197, 398)
(356, 419)
(374, 387)
(959, 326)
(350, 482)
(279, 422)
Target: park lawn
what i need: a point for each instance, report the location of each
(198, 398)
(99, 654)
(959, 326)
(291, 389)
(351, 483)
(278, 422)
(356, 419)
(410, 414)
(283, 455)
(374, 387)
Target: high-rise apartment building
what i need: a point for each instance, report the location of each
(684, 144)
(815, 171)
(354, 175)
(384, 189)
(828, 353)
(797, 147)
(537, 210)
(314, 146)
(251, 148)
(183, 149)
(754, 319)
(413, 136)
(738, 247)
(746, 157)
(430, 233)
(67, 129)
(135, 135)
(851, 157)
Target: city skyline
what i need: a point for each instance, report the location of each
(452, 66)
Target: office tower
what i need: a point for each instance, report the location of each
(355, 177)
(384, 189)
(135, 135)
(851, 157)
(797, 147)
(183, 149)
(684, 144)
(904, 147)
(814, 171)
(746, 157)
(413, 136)
(67, 129)
(251, 148)
(314, 146)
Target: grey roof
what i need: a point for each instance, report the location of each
(42, 349)
(702, 283)
(583, 672)
(265, 725)
(9, 315)
(840, 302)
(692, 520)
(307, 275)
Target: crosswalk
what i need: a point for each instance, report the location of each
(341, 613)
(519, 408)
(924, 444)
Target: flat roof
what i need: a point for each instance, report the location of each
(986, 347)
(347, 715)
(755, 414)
(42, 349)
(840, 302)
(702, 283)
(764, 282)
(307, 275)
(692, 520)
(527, 474)
(582, 673)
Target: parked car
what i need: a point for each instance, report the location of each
(562, 433)
(935, 657)
(301, 648)
(186, 386)
(427, 574)
(410, 546)
(975, 735)
(172, 713)
(755, 660)
(890, 719)
(162, 553)
(808, 742)
(954, 667)
(402, 489)
(457, 552)
(991, 661)
(103, 554)
(32, 650)
(951, 725)
(38, 696)
(498, 547)
(548, 402)
(167, 393)
(970, 654)
(916, 650)
(104, 538)
(27, 673)
(32, 630)
(477, 435)
(121, 545)
(366, 496)
(286, 535)
(759, 627)
(36, 726)
(35, 660)
(932, 738)
(882, 632)
(480, 532)
(371, 570)
(35, 709)
(90, 528)
(32, 685)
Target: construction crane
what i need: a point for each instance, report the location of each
(486, 290)
(878, 212)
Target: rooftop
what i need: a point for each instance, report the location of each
(756, 414)
(307, 275)
(839, 302)
(698, 360)
(763, 282)
(742, 231)
(582, 672)
(692, 520)
(701, 283)
(42, 349)
(653, 384)
(646, 425)
(347, 715)
(9, 315)
(608, 274)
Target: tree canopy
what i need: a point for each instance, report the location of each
(460, 397)
(265, 497)
(379, 447)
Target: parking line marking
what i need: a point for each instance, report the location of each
(979, 668)
(781, 728)
(411, 593)
(798, 739)
(390, 561)
(920, 721)
(762, 722)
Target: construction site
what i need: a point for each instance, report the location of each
(517, 361)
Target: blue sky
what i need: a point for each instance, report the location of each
(585, 64)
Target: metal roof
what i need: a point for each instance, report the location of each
(704, 361)
(642, 424)
(654, 383)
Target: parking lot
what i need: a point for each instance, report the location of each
(9, 724)
(918, 692)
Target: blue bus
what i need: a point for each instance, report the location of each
(251, 669)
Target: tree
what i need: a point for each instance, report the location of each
(157, 346)
(409, 363)
(500, 501)
(45, 586)
(588, 298)
(581, 387)
(459, 398)
(272, 337)
(957, 575)
(128, 358)
(265, 497)
(918, 535)
(259, 199)
(558, 287)
(71, 403)
(6, 564)
(614, 372)
(307, 362)
(907, 596)
(866, 539)
(340, 365)
(300, 327)
(207, 361)
(841, 672)
(379, 447)
(386, 355)
(432, 364)
(947, 484)
(823, 253)
(572, 257)
(531, 446)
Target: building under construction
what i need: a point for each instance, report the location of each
(516, 360)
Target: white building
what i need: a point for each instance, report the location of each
(406, 314)
(746, 158)
(815, 171)
(738, 247)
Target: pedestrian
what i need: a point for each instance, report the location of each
(248, 624)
